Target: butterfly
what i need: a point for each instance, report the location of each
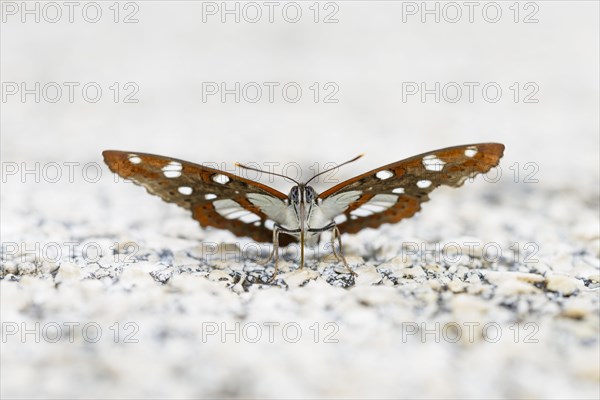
(247, 208)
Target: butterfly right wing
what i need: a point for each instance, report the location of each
(396, 191)
(216, 198)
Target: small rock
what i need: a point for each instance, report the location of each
(162, 275)
(367, 276)
(137, 274)
(190, 283)
(565, 285)
(68, 272)
(26, 268)
(435, 284)
(435, 268)
(513, 287)
(102, 273)
(396, 265)
(299, 277)
(469, 307)
(474, 278)
(479, 289)
(577, 308)
(497, 277)
(397, 262)
(594, 278)
(48, 267)
(562, 262)
(219, 275)
(414, 272)
(457, 286)
(125, 247)
(585, 272)
(239, 287)
(354, 261)
(462, 272)
(529, 278)
(8, 267)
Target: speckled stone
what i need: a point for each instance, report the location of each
(399, 312)
(566, 285)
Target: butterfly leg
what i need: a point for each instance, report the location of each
(275, 253)
(335, 253)
(335, 233)
(275, 247)
(277, 229)
(275, 250)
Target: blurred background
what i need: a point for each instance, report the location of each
(367, 72)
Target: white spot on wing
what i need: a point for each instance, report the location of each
(377, 204)
(384, 198)
(225, 206)
(385, 174)
(269, 224)
(340, 219)
(250, 218)
(374, 208)
(237, 214)
(134, 159)
(398, 190)
(210, 196)
(471, 151)
(172, 169)
(432, 163)
(424, 184)
(220, 178)
(185, 190)
(232, 210)
(361, 212)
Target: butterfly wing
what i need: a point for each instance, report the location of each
(215, 198)
(396, 191)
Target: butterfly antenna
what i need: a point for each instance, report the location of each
(266, 172)
(336, 167)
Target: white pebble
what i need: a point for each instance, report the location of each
(68, 272)
(565, 285)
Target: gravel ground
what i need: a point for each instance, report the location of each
(492, 291)
(432, 313)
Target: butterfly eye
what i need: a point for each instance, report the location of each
(310, 194)
(294, 195)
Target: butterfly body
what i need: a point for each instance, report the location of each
(305, 215)
(247, 208)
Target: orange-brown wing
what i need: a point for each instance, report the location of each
(396, 191)
(215, 198)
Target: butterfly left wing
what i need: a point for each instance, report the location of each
(215, 198)
(396, 191)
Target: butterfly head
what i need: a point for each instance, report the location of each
(301, 199)
(302, 194)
